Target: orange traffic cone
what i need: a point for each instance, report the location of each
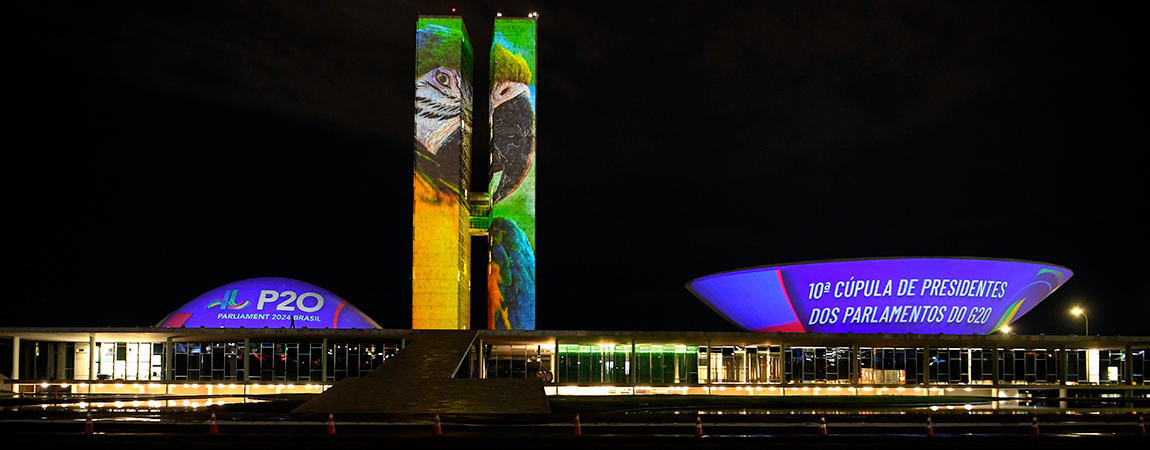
(822, 426)
(212, 428)
(1034, 426)
(578, 428)
(929, 427)
(1141, 426)
(435, 429)
(330, 424)
(88, 424)
(698, 426)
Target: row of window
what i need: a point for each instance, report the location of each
(266, 361)
(643, 364)
(662, 365)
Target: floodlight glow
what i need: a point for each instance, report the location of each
(896, 295)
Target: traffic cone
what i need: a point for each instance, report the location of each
(822, 426)
(698, 426)
(330, 425)
(212, 428)
(578, 428)
(1034, 426)
(929, 427)
(435, 429)
(88, 424)
(1141, 426)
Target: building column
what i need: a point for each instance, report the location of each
(926, 365)
(61, 361)
(91, 357)
(15, 358)
(1063, 368)
(710, 378)
(555, 364)
(481, 361)
(169, 355)
(996, 365)
(247, 355)
(783, 356)
(634, 366)
(855, 372)
(322, 361)
(1128, 368)
(783, 364)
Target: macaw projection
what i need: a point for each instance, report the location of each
(443, 126)
(511, 266)
(441, 244)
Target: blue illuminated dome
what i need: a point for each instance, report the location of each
(893, 295)
(271, 303)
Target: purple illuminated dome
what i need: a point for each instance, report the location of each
(270, 303)
(895, 295)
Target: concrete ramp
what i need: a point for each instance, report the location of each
(419, 380)
(435, 354)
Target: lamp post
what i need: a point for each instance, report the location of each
(1080, 312)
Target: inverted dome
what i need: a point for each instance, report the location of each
(896, 295)
(268, 302)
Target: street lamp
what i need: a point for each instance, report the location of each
(1080, 312)
(1005, 330)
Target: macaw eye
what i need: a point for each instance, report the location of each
(504, 91)
(442, 78)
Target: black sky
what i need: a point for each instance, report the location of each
(158, 151)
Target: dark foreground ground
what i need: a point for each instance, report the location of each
(125, 429)
(248, 441)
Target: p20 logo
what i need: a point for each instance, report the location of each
(292, 301)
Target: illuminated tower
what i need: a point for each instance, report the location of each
(441, 241)
(511, 267)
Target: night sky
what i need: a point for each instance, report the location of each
(156, 152)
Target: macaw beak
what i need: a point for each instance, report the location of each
(512, 143)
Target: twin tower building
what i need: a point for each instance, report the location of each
(447, 209)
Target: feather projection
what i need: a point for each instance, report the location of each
(512, 118)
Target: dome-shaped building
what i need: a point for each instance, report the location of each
(268, 302)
